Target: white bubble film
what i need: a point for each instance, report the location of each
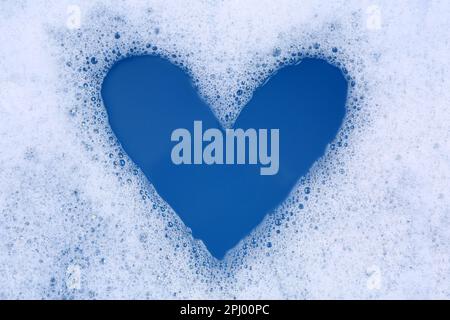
(79, 220)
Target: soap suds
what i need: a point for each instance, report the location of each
(79, 220)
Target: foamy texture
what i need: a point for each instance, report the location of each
(79, 220)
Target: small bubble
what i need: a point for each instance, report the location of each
(276, 52)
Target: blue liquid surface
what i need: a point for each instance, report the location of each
(147, 97)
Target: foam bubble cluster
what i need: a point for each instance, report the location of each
(79, 220)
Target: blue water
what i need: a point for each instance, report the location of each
(147, 97)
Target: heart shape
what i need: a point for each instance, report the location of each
(147, 97)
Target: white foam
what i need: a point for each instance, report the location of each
(78, 220)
